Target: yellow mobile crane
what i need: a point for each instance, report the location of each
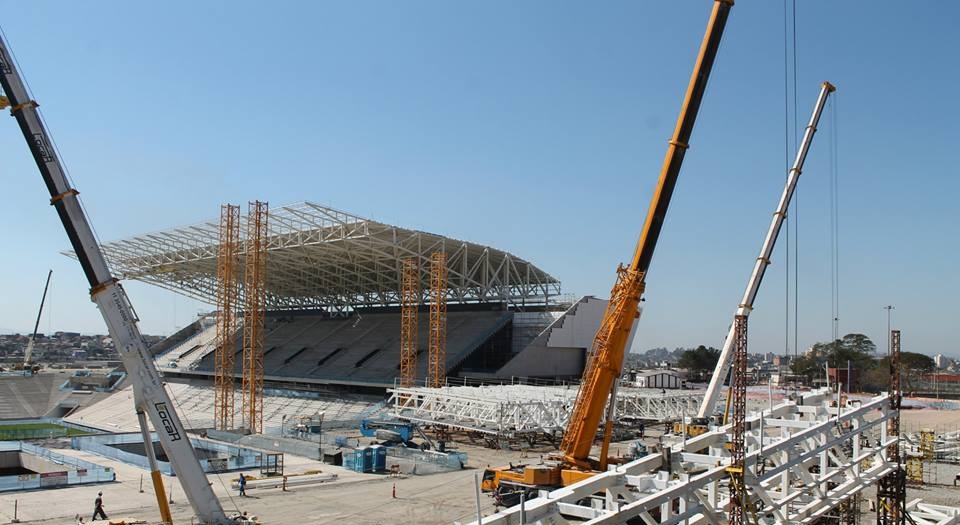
(573, 463)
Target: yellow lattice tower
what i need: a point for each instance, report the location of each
(409, 305)
(914, 468)
(227, 294)
(927, 443)
(437, 356)
(254, 302)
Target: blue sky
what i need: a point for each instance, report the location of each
(537, 127)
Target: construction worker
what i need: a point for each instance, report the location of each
(98, 508)
(242, 484)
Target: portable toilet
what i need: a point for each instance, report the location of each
(379, 458)
(368, 455)
(348, 456)
(353, 460)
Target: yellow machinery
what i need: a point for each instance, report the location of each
(696, 426)
(573, 462)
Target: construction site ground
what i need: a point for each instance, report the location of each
(364, 499)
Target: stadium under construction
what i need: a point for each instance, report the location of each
(353, 371)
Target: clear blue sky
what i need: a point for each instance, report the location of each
(538, 127)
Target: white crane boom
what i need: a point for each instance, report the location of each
(753, 285)
(150, 397)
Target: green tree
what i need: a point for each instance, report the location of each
(857, 350)
(859, 343)
(912, 366)
(699, 361)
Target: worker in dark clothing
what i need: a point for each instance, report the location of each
(98, 508)
(242, 484)
(641, 430)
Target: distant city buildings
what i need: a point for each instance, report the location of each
(63, 349)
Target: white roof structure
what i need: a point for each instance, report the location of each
(322, 258)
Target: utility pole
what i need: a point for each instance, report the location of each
(889, 308)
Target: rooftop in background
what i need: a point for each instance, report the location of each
(321, 258)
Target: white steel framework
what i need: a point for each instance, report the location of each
(525, 410)
(804, 457)
(323, 258)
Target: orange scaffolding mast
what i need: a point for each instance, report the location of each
(409, 306)
(227, 295)
(437, 364)
(254, 296)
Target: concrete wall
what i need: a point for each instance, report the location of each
(38, 464)
(560, 350)
(9, 459)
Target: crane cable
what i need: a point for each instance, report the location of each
(796, 201)
(834, 221)
(786, 163)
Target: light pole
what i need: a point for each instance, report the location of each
(320, 440)
(889, 308)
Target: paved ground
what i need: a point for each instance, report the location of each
(363, 499)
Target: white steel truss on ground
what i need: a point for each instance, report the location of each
(518, 410)
(814, 458)
(320, 257)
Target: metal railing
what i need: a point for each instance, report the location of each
(74, 472)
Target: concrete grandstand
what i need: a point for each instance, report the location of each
(42, 395)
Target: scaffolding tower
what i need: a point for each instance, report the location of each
(892, 488)
(437, 352)
(254, 295)
(928, 455)
(409, 306)
(227, 295)
(738, 450)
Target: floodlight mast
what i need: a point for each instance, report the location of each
(150, 397)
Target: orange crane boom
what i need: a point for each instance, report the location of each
(606, 356)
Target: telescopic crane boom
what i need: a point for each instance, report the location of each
(606, 357)
(150, 398)
(28, 353)
(766, 251)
